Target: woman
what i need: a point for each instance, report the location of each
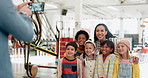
(101, 33)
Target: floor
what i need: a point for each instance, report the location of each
(47, 60)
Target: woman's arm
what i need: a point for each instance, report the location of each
(136, 71)
(116, 68)
(11, 22)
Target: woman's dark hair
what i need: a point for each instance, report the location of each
(72, 43)
(82, 32)
(108, 35)
(110, 44)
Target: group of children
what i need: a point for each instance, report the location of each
(97, 61)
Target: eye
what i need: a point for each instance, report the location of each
(79, 38)
(122, 46)
(90, 48)
(97, 31)
(106, 47)
(102, 30)
(67, 49)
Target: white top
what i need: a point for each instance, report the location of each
(89, 68)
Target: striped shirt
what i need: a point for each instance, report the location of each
(104, 69)
(69, 68)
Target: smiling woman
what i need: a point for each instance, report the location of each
(101, 33)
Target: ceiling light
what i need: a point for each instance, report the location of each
(113, 8)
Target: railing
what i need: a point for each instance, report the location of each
(42, 60)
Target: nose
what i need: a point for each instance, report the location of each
(119, 48)
(99, 32)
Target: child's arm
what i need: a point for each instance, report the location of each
(79, 68)
(96, 69)
(82, 64)
(136, 71)
(59, 68)
(110, 67)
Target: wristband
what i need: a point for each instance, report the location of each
(23, 12)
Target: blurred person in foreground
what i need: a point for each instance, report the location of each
(15, 21)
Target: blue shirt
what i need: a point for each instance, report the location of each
(11, 22)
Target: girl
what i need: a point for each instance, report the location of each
(105, 61)
(124, 68)
(81, 37)
(88, 59)
(101, 33)
(69, 66)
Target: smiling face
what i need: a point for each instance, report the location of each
(101, 33)
(89, 49)
(81, 39)
(106, 50)
(70, 51)
(122, 49)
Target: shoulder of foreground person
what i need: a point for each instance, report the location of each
(20, 26)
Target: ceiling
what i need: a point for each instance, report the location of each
(102, 8)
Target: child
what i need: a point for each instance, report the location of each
(88, 59)
(105, 61)
(124, 68)
(69, 66)
(81, 37)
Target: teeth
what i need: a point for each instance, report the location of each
(103, 51)
(99, 36)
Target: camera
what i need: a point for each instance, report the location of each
(36, 6)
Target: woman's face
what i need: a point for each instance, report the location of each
(106, 50)
(89, 49)
(81, 39)
(101, 33)
(122, 49)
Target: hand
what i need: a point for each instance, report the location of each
(24, 8)
(135, 60)
(78, 57)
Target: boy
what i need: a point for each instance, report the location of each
(69, 66)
